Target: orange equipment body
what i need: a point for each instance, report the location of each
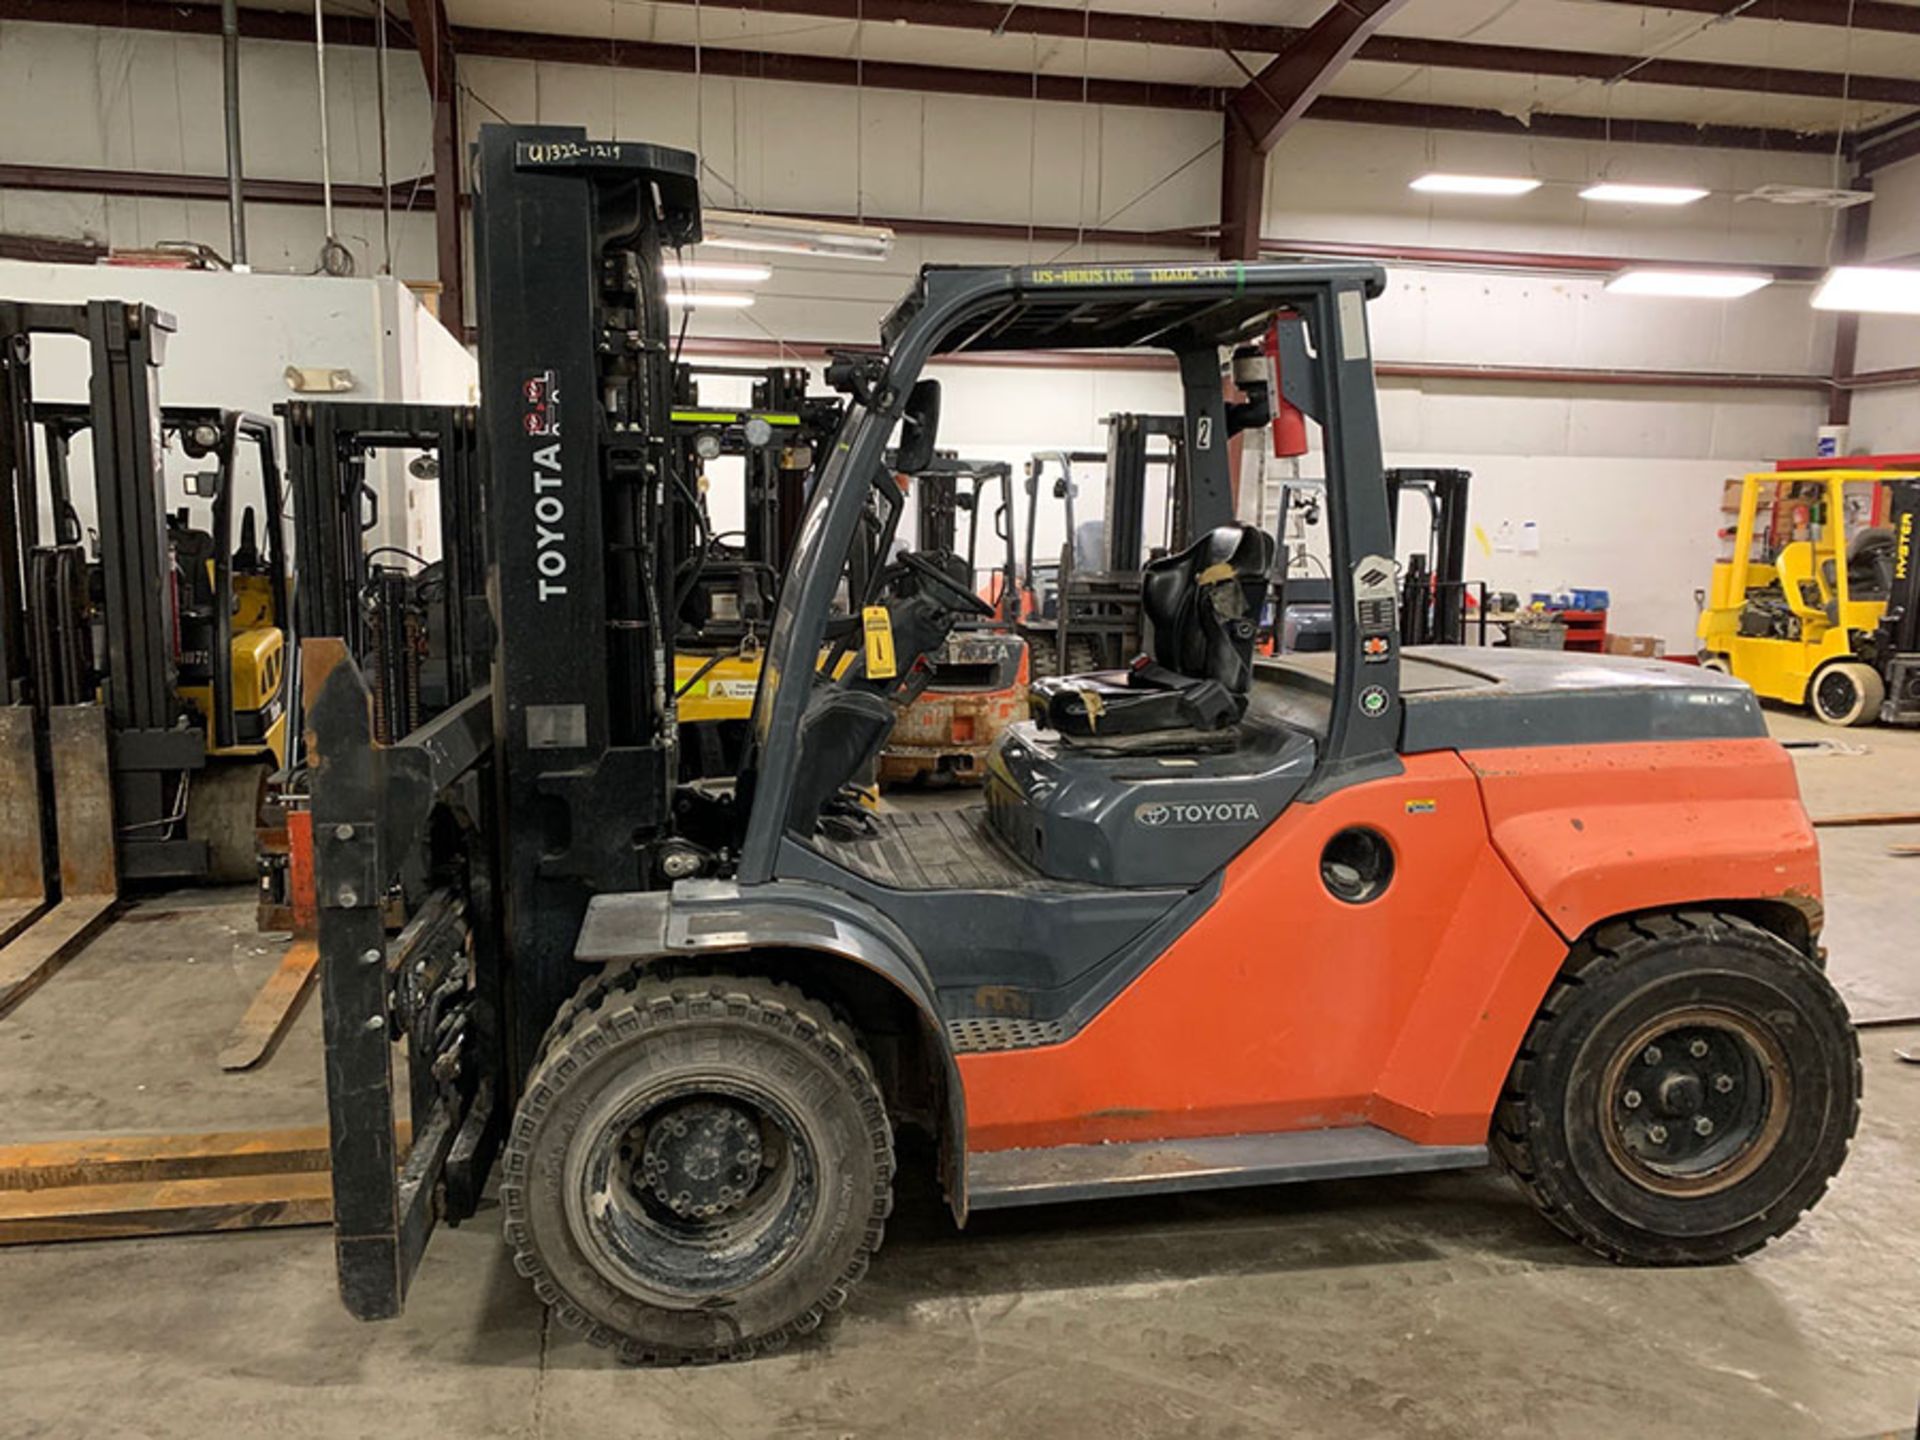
(950, 728)
(1404, 1012)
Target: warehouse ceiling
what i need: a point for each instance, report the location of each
(1605, 59)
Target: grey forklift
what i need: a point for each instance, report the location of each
(1214, 922)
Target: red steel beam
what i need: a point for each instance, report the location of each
(1539, 261)
(168, 185)
(434, 40)
(1061, 23)
(1859, 14)
(1890, 151)
(831, 70)
(1280, 96)
(165, 185)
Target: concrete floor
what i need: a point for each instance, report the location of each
(1429, 1307)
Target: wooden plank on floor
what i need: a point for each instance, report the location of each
(111, 1159)
(48, 944)
(273, 1008)
(1868, 817)
(165, 1207)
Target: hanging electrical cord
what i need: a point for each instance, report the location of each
(386, 179)
(335, 258)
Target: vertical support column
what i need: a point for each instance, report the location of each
(1846, 329)
(434, 38)
(1243, 191)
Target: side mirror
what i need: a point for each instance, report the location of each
(919, 428)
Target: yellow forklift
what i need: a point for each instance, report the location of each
(1819, 619)
(143, 658)
(726, 582)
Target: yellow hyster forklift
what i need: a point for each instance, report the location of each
(145, 663)
(1815, 618)
(1217, 920)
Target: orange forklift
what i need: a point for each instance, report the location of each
(976, 685)
(1217, 920)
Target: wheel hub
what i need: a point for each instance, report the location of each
(700, 1159)
(1695, 1101)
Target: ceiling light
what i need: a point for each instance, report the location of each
(1690, 284)
(1442, 184)
(794, 235)
(703, 270)
(1622, 194)
(1881, 289)
(1825, 197)
(712, 300)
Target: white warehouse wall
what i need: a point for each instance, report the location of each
(236, 335)
(1660, 453)
(1887, 422)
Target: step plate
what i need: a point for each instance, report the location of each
(1002, 1178)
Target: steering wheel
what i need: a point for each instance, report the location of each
(951, 590)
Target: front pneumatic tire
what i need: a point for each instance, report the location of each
(700, 1167)
(1685, 1093)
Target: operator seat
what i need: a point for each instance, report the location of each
(1202, 608)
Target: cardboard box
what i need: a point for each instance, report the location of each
(1648, 646)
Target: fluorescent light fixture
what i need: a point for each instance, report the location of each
(1437, 183)
(794, 235)
(708, 299)
(1612, 192)
(1879, 289)
(740, 274)
(1689, 284)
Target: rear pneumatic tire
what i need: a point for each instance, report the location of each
(1719, 664)
(1687, 1090)
(701, 1166)
(1847, 693)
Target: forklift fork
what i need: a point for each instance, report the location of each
(39, 940)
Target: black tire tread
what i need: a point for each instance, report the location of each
(1614, 945)
(654, 998)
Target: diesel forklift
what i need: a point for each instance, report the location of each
(1367, 913)
(976, 683)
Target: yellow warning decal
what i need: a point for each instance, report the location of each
(881, 664)
(1422, 807)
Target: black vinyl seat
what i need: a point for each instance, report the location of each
(1202, 608)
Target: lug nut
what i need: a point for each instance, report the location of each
(1651, 1055)
(1657, 1134)
(1698, 1049)
(1631, 1099)
(1723, 1083)
(1703, 1126)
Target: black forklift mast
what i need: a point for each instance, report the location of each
(588, 476)
(365, 595)
(153, 754)
(1433, 607)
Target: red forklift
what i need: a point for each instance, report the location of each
(1216, 921)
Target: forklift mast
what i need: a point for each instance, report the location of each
(152, 753)
(587, 476)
